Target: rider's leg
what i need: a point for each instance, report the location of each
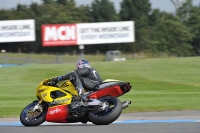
(78, 85)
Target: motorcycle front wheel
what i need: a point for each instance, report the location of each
(31, 117)
(109, 114)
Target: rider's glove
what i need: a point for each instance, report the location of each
(53, 81)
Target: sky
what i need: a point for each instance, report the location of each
(164, 5)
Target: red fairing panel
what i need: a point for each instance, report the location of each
(57, 114)
(110, 91)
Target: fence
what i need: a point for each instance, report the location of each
(20, 58)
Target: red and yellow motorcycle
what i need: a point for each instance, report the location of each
(61, 104)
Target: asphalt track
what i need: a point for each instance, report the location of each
(147, 122)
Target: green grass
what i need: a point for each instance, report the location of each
(158, 84)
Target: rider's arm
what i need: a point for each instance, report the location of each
(80, 72)
(66, 76)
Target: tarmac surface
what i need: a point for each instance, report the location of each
(181, 115)
(146, 122)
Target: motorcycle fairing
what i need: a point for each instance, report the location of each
(54, 95)
(69, 87)
(113, 88)
(57, 114)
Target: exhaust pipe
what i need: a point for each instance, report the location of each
(125, 104)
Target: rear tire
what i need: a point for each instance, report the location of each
(109, 115)
(30, 118)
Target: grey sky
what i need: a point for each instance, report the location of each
(164, 5)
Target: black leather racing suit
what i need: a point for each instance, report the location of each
(88, 78)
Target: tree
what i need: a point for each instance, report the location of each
(7, 14)
(189, 15)
(134, 9)
(177, 4)
(138, 11)
(194, 22)
(46, 2)
(179, 38)
(103, 11)
(84, 13)
(184, 11)
(65, 2)
(35, 8)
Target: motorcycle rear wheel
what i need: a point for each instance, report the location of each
(108, 115)
(28, 117)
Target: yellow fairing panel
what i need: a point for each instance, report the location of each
(69, 87)
(44, 93)
(65, 90)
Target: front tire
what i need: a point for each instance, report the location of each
(109, 115)
(29, 117)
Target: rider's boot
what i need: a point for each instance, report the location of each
(81, 94)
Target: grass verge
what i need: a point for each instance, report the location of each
(160, 84)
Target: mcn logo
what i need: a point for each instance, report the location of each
(88, 33)
(59, 35)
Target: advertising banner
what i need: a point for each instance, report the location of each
(87, 33)
(106, 32)
(17, 30)
(59, 35)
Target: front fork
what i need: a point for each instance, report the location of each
(38, 106)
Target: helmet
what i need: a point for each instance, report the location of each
(82, 63)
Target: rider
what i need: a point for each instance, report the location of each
(83, 77)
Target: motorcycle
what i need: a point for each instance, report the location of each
(62, 104)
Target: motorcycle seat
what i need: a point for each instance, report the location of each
(108, 84)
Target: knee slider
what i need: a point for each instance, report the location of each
(72, 78)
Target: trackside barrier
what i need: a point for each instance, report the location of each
(8, 65)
